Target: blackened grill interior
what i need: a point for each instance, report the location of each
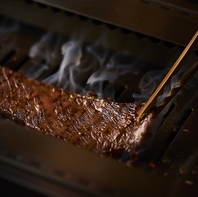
(173, 151)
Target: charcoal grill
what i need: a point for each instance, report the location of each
(155, 33)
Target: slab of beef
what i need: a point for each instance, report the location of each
(106, 127)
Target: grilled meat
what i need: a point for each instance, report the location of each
(106, 127)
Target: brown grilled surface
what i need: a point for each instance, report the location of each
(100, 125)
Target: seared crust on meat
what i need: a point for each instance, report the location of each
(100, 125)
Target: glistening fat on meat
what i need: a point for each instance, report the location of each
(103, 126)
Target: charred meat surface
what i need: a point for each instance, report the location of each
(103, 126)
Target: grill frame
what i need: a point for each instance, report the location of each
(13, 146)
(45, 170)
(160, 19)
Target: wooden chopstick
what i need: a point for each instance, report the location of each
(150, 104)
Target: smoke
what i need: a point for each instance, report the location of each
(44, 50)
(152, 79)
(44, 56)
(148, 84)
(64, 77)
(168, 90)
(118, 65)
(79, 67)
(76, 65)
(85, 68)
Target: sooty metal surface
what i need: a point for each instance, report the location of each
(34, 160)
(174, 21)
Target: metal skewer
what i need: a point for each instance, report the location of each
(150, 104)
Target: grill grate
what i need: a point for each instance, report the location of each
(173, 151)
